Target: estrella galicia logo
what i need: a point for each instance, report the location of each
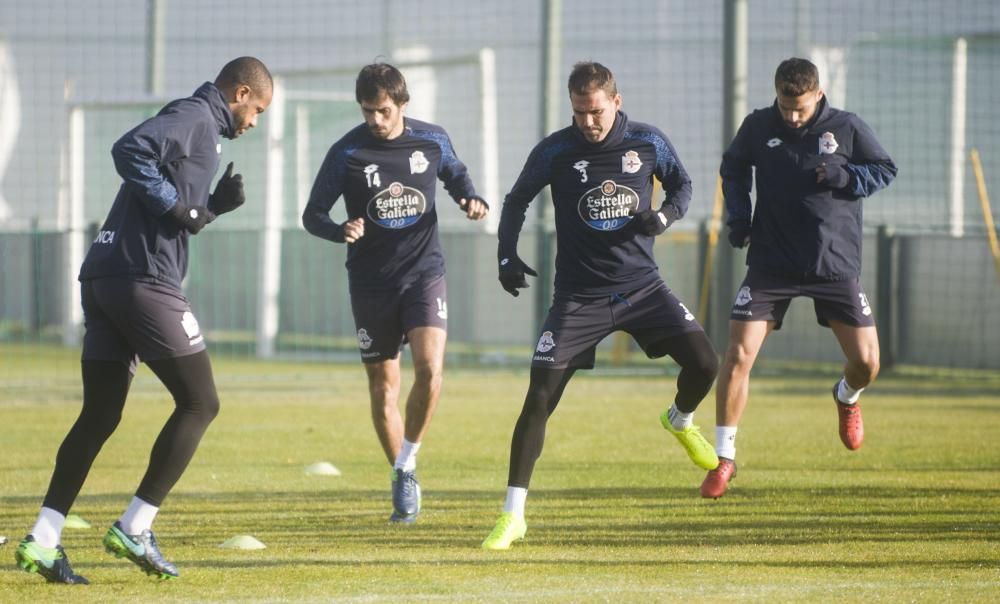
(608, 207)
(397, 207)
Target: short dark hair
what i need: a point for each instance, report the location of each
(381, 77)
(795, 77)
(245, 70)
(587, 75)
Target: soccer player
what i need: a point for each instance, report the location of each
(600, 170)
(387, 170)
(134, 310)
(814, 165)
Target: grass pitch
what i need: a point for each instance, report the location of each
(613, 512)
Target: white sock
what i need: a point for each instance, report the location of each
(407, 458)
(48, 527)
(678, 419)
(516, 497)
(725, 441)
(138, 517)
(846, 394)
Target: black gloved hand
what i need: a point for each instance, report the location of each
(192, 218)
(834, 176)
(512, 272)
(655, 222)
(228, 193)
(739, 234)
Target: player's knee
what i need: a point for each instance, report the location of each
(738, 358)
(100, 423)
(427, 375)
(708, 366)
(867, 368)
(210, 407)
(204, 405)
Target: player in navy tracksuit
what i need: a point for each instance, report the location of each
(134, 309)
(814, 164)
(387, 170)
(601, 170)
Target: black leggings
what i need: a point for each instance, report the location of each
(105, 387)
(692, 351)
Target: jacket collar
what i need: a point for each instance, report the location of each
(219, 107)
(823, 111)
(615, 136)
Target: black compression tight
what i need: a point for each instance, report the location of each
(693, 352)
(105, 386)
(544, 391)
(699, 365)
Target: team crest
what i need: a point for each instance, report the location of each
(546, 342)
(774, 142)
(418, 163)
(364, 340)
(397, 207)
(191, 328)
(827, 144)
(631, 162)
(442, 311)
(608, 207)
(743, 296)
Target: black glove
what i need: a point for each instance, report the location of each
(739, 234)
(228, 193)
(512, 272)
(835, 176)
(192, 218)
(655, 222)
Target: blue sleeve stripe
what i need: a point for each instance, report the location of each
(869, 178)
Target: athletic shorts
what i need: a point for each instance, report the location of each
(129, 321)
(765, 297)
(383, 318)
(576, 324)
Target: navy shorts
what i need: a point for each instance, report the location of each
(383, 318)
(575, 324)
(765, 297)
(129, 321)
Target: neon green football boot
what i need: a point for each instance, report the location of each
(701, 453)
(49, 562)
(509, 529)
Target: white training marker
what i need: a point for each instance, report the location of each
(242, 542)
(3, 540)
(322, 468)
(75, 522)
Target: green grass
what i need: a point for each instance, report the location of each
(613, 513)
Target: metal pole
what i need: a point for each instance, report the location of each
(155, 16)
(551, 58)
(270, 250)
(491, 155)
(956, 163)
(76, 226)
(734, 108)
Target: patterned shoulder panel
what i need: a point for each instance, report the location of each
(665, 158)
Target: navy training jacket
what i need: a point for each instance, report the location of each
(392, 185)
(597, 189)
(802, 229)
(170, 158)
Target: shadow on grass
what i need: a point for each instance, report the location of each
(625, 517)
